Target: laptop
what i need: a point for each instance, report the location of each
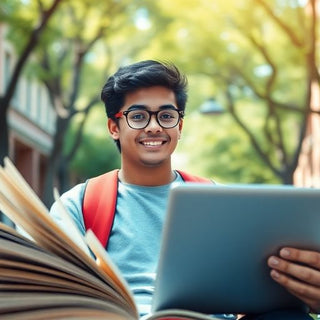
(216, 241)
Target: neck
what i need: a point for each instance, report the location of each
(153, 176)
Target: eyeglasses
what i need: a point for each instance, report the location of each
(140, 118)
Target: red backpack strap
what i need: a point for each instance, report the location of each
(191, 178)
(99, 204)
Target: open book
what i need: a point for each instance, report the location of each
(54, 275)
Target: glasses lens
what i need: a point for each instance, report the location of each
(168, 118)
(137, 119)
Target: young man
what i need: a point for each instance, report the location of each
(145, 104)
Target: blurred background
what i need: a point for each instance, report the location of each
(253, 114)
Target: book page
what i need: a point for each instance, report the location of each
(50, 305)
(21, 197)
(19, 202)
(42, 229)
(23, 259)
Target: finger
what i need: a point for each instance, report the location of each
(311, 303)
(302, 290)
(310, 295)
(292, 270)
(310, 258)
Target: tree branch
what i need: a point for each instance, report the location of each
(31, 44)
(264, 156)
(293, 37)
(79, 133)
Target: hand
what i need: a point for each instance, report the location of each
(299, 272)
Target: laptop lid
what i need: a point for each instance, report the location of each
(216, 241)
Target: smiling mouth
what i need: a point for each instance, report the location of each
(152, 143)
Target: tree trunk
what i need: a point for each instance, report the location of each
(287, 177)
(54, 161)
(4, 133)
(63, 175)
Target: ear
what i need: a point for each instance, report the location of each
(113, 129)
(180, 128)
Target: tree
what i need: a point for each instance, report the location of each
(258, 57)
(72, 71)
(32, 32)
(285, 163)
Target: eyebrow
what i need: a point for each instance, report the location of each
(145, 107)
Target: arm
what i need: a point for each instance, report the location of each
(299, 272)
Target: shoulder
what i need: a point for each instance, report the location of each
(75, 194)
(72, 201)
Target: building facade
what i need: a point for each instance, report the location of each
(31, 119)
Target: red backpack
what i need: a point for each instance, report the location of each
(100, 199)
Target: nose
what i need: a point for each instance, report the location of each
(153, 125)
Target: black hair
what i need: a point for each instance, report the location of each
(143, 74)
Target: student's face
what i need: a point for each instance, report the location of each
(153, 145)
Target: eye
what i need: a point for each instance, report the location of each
(168, 115)
(137, 115)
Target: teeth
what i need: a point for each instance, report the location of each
(152, 143)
